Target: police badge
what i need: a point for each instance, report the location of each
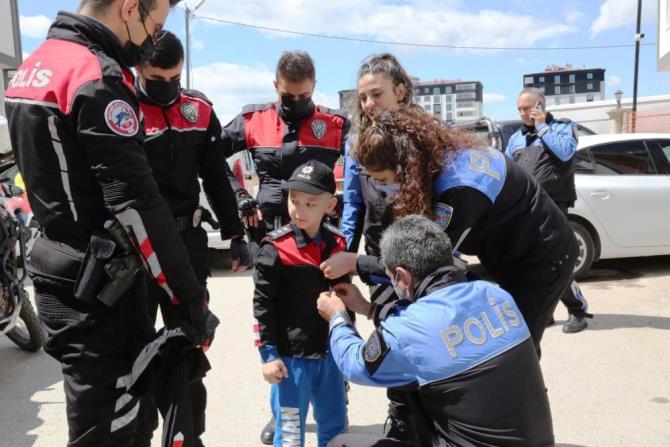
(443, 213)
(190, 112)
(319, 129)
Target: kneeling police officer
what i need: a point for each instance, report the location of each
(461, 349)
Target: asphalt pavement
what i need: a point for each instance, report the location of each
(608, 385)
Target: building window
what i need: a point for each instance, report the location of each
(541, 88)
(427, 108)
(449, 106)
(448, 89)
(540, 79)
(528, 80)
(467, 95)
(573, 88)
(557, 79)
(417, 91)
(572, 99)
(465, 105)
(464, 114)
(461, 87)
(589, 86)
(450, 117)
(557, 90)
(437, 109)
(589, 75)
(572, 78)
(436, 99)
(589, 97)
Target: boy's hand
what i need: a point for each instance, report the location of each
(329, 305)
(339, 265)
(351, 296)
(274, 371)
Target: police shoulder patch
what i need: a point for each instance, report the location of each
(374, 351)
(319, 128)
(121, 118)
(279, 232)
(189, 111)
(443, 213)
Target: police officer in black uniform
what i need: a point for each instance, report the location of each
(281, 136)
(75, 127)
(545, 147)
(183, 142)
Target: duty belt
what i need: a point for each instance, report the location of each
(188, 221)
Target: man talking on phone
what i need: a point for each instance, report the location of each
(546, 147)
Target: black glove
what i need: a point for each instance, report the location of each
(247, 206)
(239, 251)
(203, 321)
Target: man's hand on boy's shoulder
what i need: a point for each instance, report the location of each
(274, 371)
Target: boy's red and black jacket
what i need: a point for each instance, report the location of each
(288, 282)
(279, 147)
(183, 142)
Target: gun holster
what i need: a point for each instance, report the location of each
(92, 276)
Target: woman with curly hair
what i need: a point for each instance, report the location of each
(383, 83)
(489, 206)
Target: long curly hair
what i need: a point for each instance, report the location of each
(417, 147)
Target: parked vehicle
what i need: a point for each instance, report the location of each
(18, 319)
(623, 191)
(497, 133)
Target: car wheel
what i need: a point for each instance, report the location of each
(587, 251)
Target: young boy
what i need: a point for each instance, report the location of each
(291, 337)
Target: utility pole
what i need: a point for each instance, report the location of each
(188, 14)
(638, 37)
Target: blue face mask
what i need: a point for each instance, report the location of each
(389, 190)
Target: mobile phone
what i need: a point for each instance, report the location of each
(539, 106)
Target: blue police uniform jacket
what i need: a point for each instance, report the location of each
(497, 211)
(548, 152)
(466, 349)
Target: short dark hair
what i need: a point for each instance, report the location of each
(295, 66)
(101, 5)
(168, 51)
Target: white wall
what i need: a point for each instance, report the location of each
(663, 35)
(594, 114)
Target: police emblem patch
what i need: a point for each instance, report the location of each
(121, 118)
(319, 129)
(307, 170)
(374, 351)
(190, 112)
(373, 348)
(443, 213)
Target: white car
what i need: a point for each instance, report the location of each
(243, 168)
(623, 197)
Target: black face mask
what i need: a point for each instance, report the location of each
(133, 54)
(162, 93)
(293, 110)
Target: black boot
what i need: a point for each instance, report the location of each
(268, 433)
(399, 429)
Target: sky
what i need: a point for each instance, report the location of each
(234, 65)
